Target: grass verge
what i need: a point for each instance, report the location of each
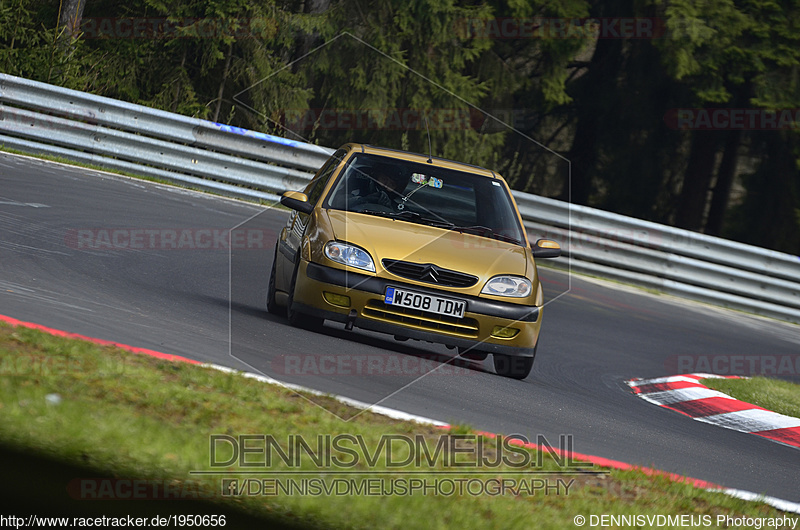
(128, 174)
(776, 395)
(103, 412)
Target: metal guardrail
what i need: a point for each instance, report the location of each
(43, 119)
(669, 259)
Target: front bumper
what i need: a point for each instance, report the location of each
(366, 294)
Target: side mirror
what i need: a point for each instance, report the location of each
(546, 248)
(297, 201)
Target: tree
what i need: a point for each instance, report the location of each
(70, 17)
(734, 55)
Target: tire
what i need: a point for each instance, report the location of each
(296, 318)
(272, 305)
(513, 366)
(472, 354)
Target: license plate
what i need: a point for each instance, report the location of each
(425, 302)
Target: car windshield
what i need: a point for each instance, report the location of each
(425, 194)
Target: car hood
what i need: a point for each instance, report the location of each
(401, 240)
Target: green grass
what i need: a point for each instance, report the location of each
(70, 162)
(549, 264)
(132, 416)
(772, 394)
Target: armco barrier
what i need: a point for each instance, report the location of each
(39, 118)
(44, 119)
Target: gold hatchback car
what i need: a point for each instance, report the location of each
(415, 246)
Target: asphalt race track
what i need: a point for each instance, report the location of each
(208, 304)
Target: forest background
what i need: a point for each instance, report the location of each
(681, 112)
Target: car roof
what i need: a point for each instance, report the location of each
(417, 157)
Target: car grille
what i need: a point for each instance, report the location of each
(463, 327)
(429, 273)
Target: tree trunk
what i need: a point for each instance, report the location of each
(305, 42)
(775, 220)
(697, 180)
(70, 18)
(225, 73)
(596, 86)
(179, 83)
(722, 189)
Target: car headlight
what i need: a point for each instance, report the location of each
(515, 286)
(350, 255)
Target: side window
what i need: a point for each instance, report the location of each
(315, 188)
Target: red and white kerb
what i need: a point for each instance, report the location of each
(685, 394)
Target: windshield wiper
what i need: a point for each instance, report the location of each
(374, 212)
(487, 232)
(408, 215)
(414, 217)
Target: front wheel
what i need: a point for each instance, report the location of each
(272, 304)
(512, 366)
(296, 318)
